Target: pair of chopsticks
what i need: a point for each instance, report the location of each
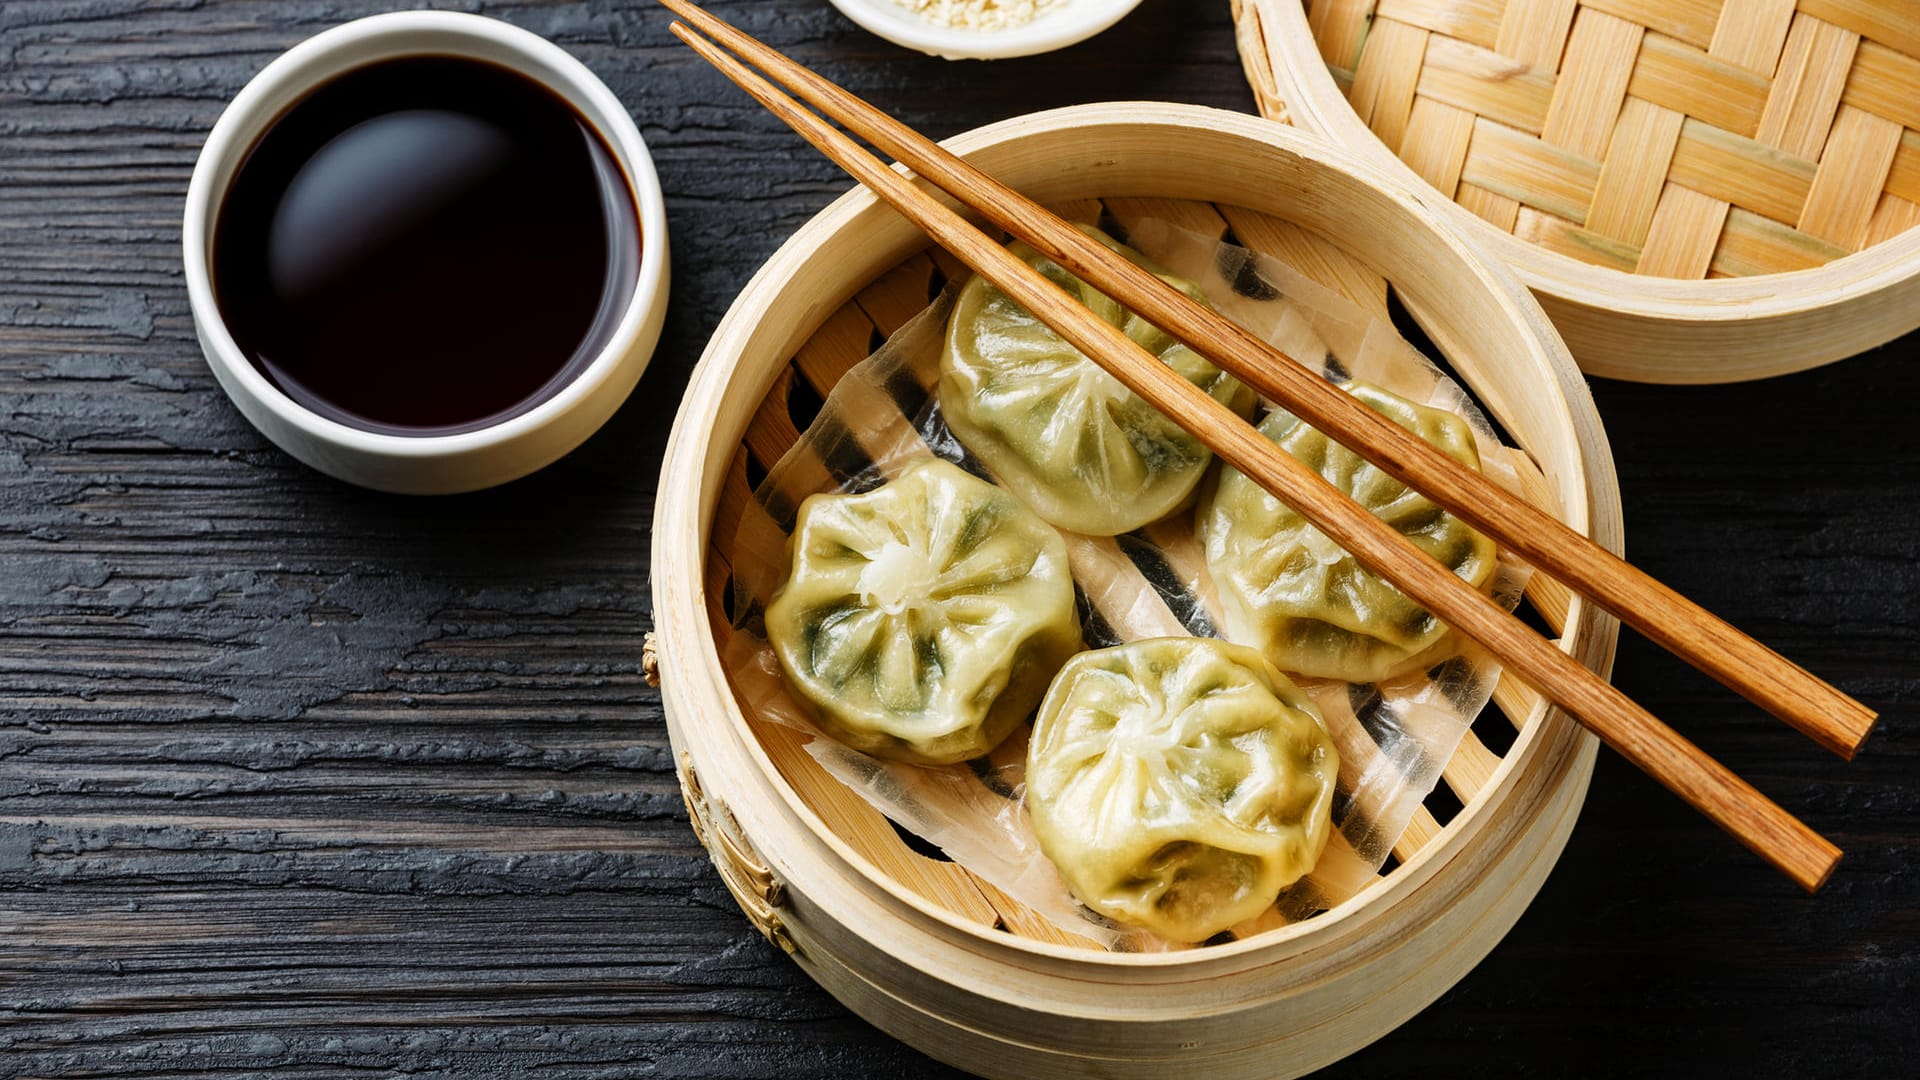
(1831, 718)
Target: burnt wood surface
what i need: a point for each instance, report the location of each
(298, 779)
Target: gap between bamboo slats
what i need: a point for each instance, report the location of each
(845, 338)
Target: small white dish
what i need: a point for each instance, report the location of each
(428, 464)
(1073, 22)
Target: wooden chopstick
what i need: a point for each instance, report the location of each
(1819, 710)
(1710, 787)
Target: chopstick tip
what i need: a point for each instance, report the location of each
(1826, 872)
(681, 8)
(702, 45)
(1870, 721)
(1855, 723)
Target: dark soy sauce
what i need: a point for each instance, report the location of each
(425, 246)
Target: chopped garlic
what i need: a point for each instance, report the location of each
(981, 14)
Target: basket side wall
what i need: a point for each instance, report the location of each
(1307, 994)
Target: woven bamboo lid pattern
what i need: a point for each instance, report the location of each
(1679, 138)
(1697, 191)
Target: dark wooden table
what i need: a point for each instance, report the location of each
(304, 780)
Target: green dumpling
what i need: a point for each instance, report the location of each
(921, 621)
(1178, 784)
(1081, 449)
(1290, 591)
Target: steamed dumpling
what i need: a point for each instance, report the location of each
(1179, 783)
(1301, 598)
(1084, 451)
(922, 620)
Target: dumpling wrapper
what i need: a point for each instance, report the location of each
(1085, 452)
(922, 620)
(1179, 784)
(1289, 590)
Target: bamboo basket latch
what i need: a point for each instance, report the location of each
(759, 893)
(650, 660)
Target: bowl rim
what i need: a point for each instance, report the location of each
(295, 73)
(683, 464)
(1070, 25)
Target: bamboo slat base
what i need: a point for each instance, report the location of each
(883, 307)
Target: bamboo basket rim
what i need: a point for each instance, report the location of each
(1545, 725)
(1717, 300)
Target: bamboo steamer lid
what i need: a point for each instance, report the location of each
(942, 959)
(1697, 190)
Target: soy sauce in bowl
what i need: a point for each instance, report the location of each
(426, 246)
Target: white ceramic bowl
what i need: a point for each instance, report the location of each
(434, 464)
(1075, 22)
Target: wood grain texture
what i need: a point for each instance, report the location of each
(300, 779)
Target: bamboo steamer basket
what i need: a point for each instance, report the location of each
(945, 961)
(1697, 191)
